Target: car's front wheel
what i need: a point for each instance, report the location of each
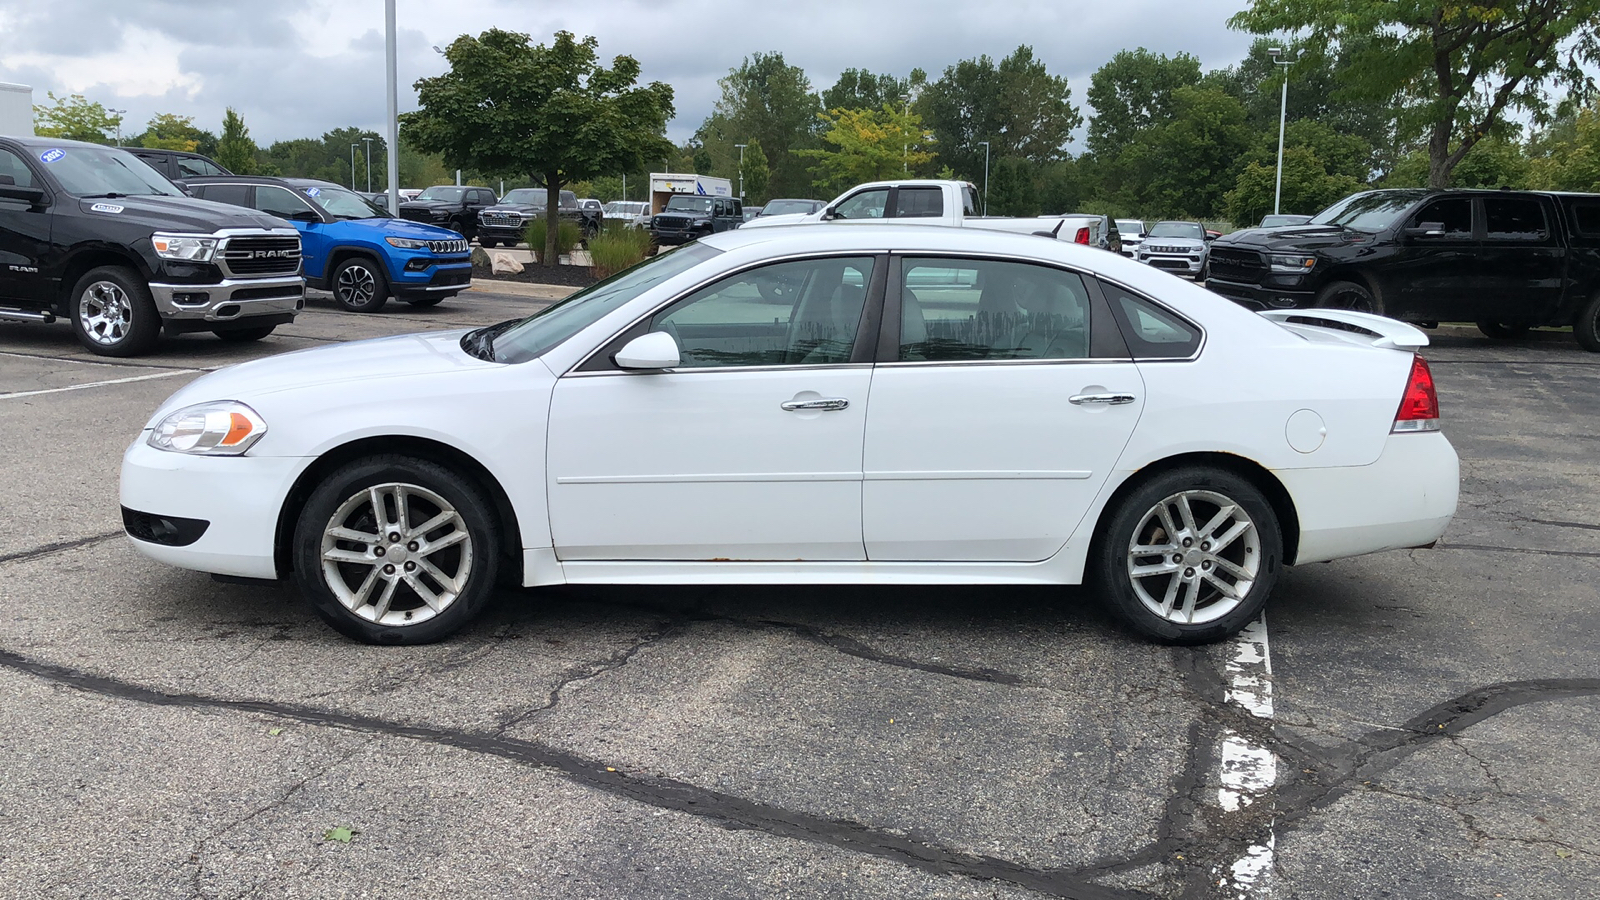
(1351, 296)
(359, 285)
(396, 550)
(113, 313)
(1189, 556)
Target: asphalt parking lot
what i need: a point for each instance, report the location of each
(1410, 724)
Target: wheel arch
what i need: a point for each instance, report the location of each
(1248, 469)
(408, 445)
(339, 254)
(81, 261)
(1358, 275)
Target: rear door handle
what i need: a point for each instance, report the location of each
(797, 405)
(1107, 399)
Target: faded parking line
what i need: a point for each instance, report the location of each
(1249, 771)
(93, 384)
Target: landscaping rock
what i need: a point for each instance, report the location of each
(505, 264)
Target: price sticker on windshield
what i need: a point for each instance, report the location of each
(52, 155)
(312, 192)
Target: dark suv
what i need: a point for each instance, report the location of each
(450, 206)
(687, 217)
(178, 165)
(506, 222)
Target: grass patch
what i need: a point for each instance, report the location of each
(617, 247)
(568, 235)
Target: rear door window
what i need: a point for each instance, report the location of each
(236, 194)
(1514, 219)
(1585, 217)
(965, 309)
(919, 202)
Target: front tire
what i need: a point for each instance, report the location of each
(1190, 556)
(396, 550)
(1502, 331)
(1587, 328)
(359, 285)
(113, 313)
(1351, 296)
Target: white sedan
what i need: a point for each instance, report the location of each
(889, 405)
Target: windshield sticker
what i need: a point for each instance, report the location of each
(106, 208)
(312, 192)
(52, 155)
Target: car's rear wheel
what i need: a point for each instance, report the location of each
(113, 313)
(1587, 328)
(396, 550)
(240, 335)
(1351, 296)
(1190, 556)
(359, 285)
(1502, 331)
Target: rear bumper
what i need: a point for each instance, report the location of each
(1404, 499)
(229, 300)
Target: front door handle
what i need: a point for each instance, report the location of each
(797, 405)
(1107, 399)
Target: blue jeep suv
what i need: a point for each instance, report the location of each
(351, 247)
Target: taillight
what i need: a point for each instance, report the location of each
(1419, 408)
(1083, 236)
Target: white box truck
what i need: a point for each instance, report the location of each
(664, 184)
(16, 109)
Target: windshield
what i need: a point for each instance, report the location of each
(689, 204)
(451, 194)
(624, 208)
(1130, 226)
(1372, 211)
(536, 335)
(783, 207)
(104, 172)
(525, 197)
(343, 204)
(1178, 230)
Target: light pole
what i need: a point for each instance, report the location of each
(741, 169)
(118, 123)
(1283, 115)
(369, 163)
(353, 166)
(985, 176)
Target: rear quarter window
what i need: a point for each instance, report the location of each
(1586, 217)
(1152, 331)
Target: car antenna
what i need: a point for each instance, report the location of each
(1054, 232)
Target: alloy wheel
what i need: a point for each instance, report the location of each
(106, 312)
(1194, 557)
(387, 570)
(356, 285)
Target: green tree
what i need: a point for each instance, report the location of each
(235, 150)
(860, 89)
(1493, 163)
(170, 131)
(756, 174)
(1184, 167)
(74, 118)
(771, 102)
(1455, 68)
(1567, 156)
(1014, 188)
(1017, 106)
(1133, 92)
(868, 145)
(1308, 187)
(509, 106)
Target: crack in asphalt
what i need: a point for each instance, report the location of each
(588, 671)
(59, 547)
(1580, 554)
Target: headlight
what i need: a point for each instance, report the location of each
(186, 247)
(406, 243)
(1292, 263)
(226, 428)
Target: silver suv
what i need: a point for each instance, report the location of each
(1178, 247)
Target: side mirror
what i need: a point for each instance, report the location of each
(304, 215)
(1426, 229)
(829, 215)
(182, 185)
(32, 195)
(656, 350)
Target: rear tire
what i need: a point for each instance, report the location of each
(359, 285)
(240, 335)
(1502, 331)
(1587, 328)
(113, 313)
(1160, 556)
(1351, 296)
(370, 568)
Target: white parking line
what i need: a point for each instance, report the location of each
(93, 384)
(1248, 770)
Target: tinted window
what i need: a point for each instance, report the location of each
(919, 202)
(11, 164)
(1585, 217)
(795, 313)
(1514, 219)
(189, 168)
(1151, 331)
(1454, 213)
(786, 207)
(1372, 211)
(237, 194)
(968, 205)
(277, 201)
(525, 197)
(865, 205)
(953, 309)
(345, 204)
(448, 194)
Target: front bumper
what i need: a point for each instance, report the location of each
(1404, 499)
(229, 300)
(675, 236)
(1260, 297)
(1178, 265)
(239, 497)
(501, 233)
(446, 278)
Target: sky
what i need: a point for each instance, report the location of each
(298, 68)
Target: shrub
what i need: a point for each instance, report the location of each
(617, 247)
(568, 234)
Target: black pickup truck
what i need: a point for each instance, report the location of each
(450, 206)
(1506, 260)
(94, 235)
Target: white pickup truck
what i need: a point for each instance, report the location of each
(949, 203)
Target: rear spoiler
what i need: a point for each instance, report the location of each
(1355, 327)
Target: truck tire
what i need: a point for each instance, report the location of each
(1349, 295)
(240, 335)
(1587, 328)
(359, 285)
(1502, 331)
(113, 314)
